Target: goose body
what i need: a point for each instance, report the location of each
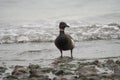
(64, 41)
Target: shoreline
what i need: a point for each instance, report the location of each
(89, 55)
(66, 69)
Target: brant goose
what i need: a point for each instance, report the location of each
(64, 41)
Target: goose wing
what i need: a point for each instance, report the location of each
(71, 40)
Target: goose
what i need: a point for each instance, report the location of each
(64, 41)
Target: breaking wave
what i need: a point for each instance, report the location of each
(33, 33)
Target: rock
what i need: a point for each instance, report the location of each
(69, 66)
(64, 69)
(55, 78)
(74, 77)
(96, 62)
(118, 62)
(82, 78)
(36, 72)
(62, 72)
(59, 72)
(2, 70)
(110, 61)
(32, 66)
(19, 70)
(10, 78)
(116, 75)
(114, 24)
(46, 70)
(33, 78)
(87, 70)
(93, 78)
(59, 78)
(64, 79)
(110, 64)
(42, 77)
(68, 72)
(108, 75)
(62, 60)
(116, 69)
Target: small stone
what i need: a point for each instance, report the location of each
(32, 66)
(96, 62)
(68, 73)
(110, 61)
(118, 62)
(93, 78)
(46, 70)
(116, 69)
(87, 70)
(10, 78)
(42, 77)
(110, 64)
(19, 70)
(36, 73)
(33, 78)
(62, 60)
(2, 70)
(55, 78)
(59, 72)
(64, 79)
(74, 78)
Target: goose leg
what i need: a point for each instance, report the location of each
(61, 53)
(71, 54)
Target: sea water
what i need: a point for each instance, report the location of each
(28, 29)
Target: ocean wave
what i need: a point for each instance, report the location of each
(32, 34)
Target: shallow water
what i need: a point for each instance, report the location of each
(45, 52)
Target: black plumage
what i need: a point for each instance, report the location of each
(64, 41)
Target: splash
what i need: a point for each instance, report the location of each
(34, 33)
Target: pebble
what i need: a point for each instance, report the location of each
(63, 70)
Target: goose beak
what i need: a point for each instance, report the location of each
(67, 25)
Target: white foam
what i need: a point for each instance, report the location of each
(47, 34)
